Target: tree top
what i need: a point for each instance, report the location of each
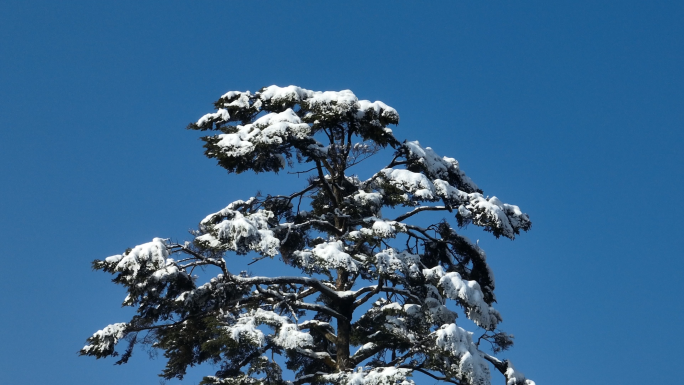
(370, 277)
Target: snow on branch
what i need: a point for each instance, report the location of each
(238, 230)
(412, 182)
(495, 216)
(514, 377)
(467, 293)
(390, 261)
(374, 285)
(149, 256)
(102, 343)
(270, 130)
(288, 335)
(436, 167)
(325, 256)
(294, 115)
(466, 361)
(470, 294)
(492, 214)
(374, 376)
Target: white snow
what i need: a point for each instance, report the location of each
(222, 114)
(289, 337)
(385, 229)
(372, 199)
(390, 260)
(227, 211)
(196, 296)
(149, 256)
(449, 192)
(436, 308)
(470, 294)
(245, 329)
(243, 227)
(364, 348)
(105, 339)
(242, 100)
(459, 344)
(327, 101)
(270, 129)
(412, 182)
(240, 232)
(166, 273)
(412, 310)
(436, 272)
(326, 255)
(392, 307)
(375, 376)
(232, 94)
(279, 94)
(378, 108)
(516, 378)
(505, 217)
(337, 101)
(436, 166)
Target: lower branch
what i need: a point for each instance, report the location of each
(309, 378)
(332, 294)
(438, 378)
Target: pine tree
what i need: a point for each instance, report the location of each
(378, 297)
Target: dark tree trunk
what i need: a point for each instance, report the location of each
(344, 334)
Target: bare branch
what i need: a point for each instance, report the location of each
(438, 378)
(313, 282)
(325, 184)
(374, 290)
(219, 263)
(419, 209)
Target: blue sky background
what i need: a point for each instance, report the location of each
(572, 110)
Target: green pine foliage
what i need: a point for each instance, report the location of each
(378, 296)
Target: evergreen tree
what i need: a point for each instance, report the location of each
(378, 297)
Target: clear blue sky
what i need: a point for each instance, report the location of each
(572, 110)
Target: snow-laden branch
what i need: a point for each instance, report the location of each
(513, 377)
(349, 254)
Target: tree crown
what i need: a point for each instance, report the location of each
(376, 284)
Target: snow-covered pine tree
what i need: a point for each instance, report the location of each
(376, 299)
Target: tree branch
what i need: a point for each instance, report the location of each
(323, 328)
(319, 356)
(309, 378)
(328, 190)
(419, 209)
(445, 379)
(367, 353)
(319, 308)
(501, 366)
(332, 294)
(299, 304)
(219, 263)
(374, 290)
